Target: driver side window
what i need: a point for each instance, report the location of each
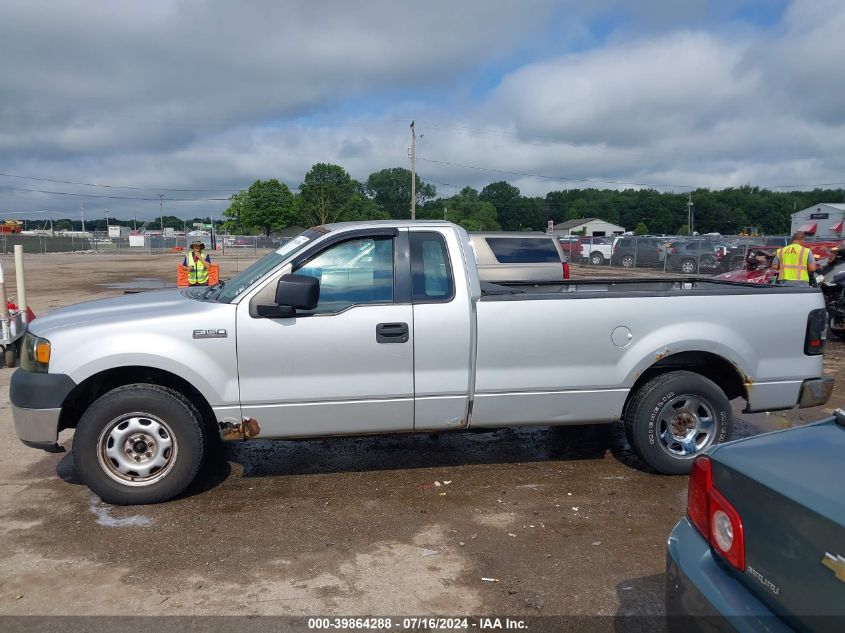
(354, 272)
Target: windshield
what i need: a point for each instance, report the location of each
(233, 287)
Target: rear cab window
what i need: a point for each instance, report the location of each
(431, 271)
(520, 250)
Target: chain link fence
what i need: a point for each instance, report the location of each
(100, 242)
(699, 255)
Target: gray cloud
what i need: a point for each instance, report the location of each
(208, 94)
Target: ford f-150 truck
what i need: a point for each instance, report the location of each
(384, 327)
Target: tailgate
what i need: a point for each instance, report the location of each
(789, 491)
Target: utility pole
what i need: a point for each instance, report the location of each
(107, 220)
(413, 153)
(134, 223)
(82, 215)
(689, 214)
(161, 211)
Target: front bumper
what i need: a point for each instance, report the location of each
(36, 406)
(701, 596)
(815, 392)
(37, 428)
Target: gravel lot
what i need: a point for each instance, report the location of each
(566, 520)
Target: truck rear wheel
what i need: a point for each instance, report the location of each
(139, 444)
(674, 417)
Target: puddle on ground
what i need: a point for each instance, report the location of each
(140, 283)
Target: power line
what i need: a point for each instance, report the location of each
(93, 195)
(91, 184)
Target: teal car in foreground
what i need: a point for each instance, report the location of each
(762, 547)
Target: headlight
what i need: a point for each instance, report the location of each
(35, 353)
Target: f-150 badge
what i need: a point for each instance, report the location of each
(210, 334)
(836, 564)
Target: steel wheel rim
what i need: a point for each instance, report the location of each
(627, 261)
(137, 449)
(688, 267)
(597, 259)
(686, 425)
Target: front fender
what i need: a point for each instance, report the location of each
(210, 365)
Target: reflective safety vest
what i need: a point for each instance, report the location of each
(197, 269)
(793, 263)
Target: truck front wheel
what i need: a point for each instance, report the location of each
(674, 417)
(139, 444)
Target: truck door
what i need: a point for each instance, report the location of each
(444, 323)
(346, 367)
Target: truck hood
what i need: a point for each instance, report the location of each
(129, 307)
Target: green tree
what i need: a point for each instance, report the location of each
(391, 190)
(266, 206)
(472, 213)
(684, 230)
(577, 210)
(359, 207)
(641, 229)
(236, 213)
(513, 211)
(325, 192)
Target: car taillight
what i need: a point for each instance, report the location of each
(816, 332)
(674, 251)
(565, 270)
(699, 485)
(714, 516)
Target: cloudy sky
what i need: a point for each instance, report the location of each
(206, 96)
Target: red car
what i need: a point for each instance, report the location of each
(571, 247)
(756, 270)
(824, 251)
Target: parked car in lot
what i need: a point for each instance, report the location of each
(629, 252)
(571, 248)
(762, 547)
(519, 257)
(597, 250)
(695, 256)
(386, 327)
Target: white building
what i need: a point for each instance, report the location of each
(821, 220)
(592, 227)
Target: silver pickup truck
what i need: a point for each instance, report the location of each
(384, 327)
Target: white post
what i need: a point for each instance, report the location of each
(4, 306)
(20, 282)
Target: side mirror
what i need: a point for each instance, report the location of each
(293, 292)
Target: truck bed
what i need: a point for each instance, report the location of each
(657, 287)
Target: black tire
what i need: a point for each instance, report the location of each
(596, 258)
(172, 416)
(838, 333)
(646, 413)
